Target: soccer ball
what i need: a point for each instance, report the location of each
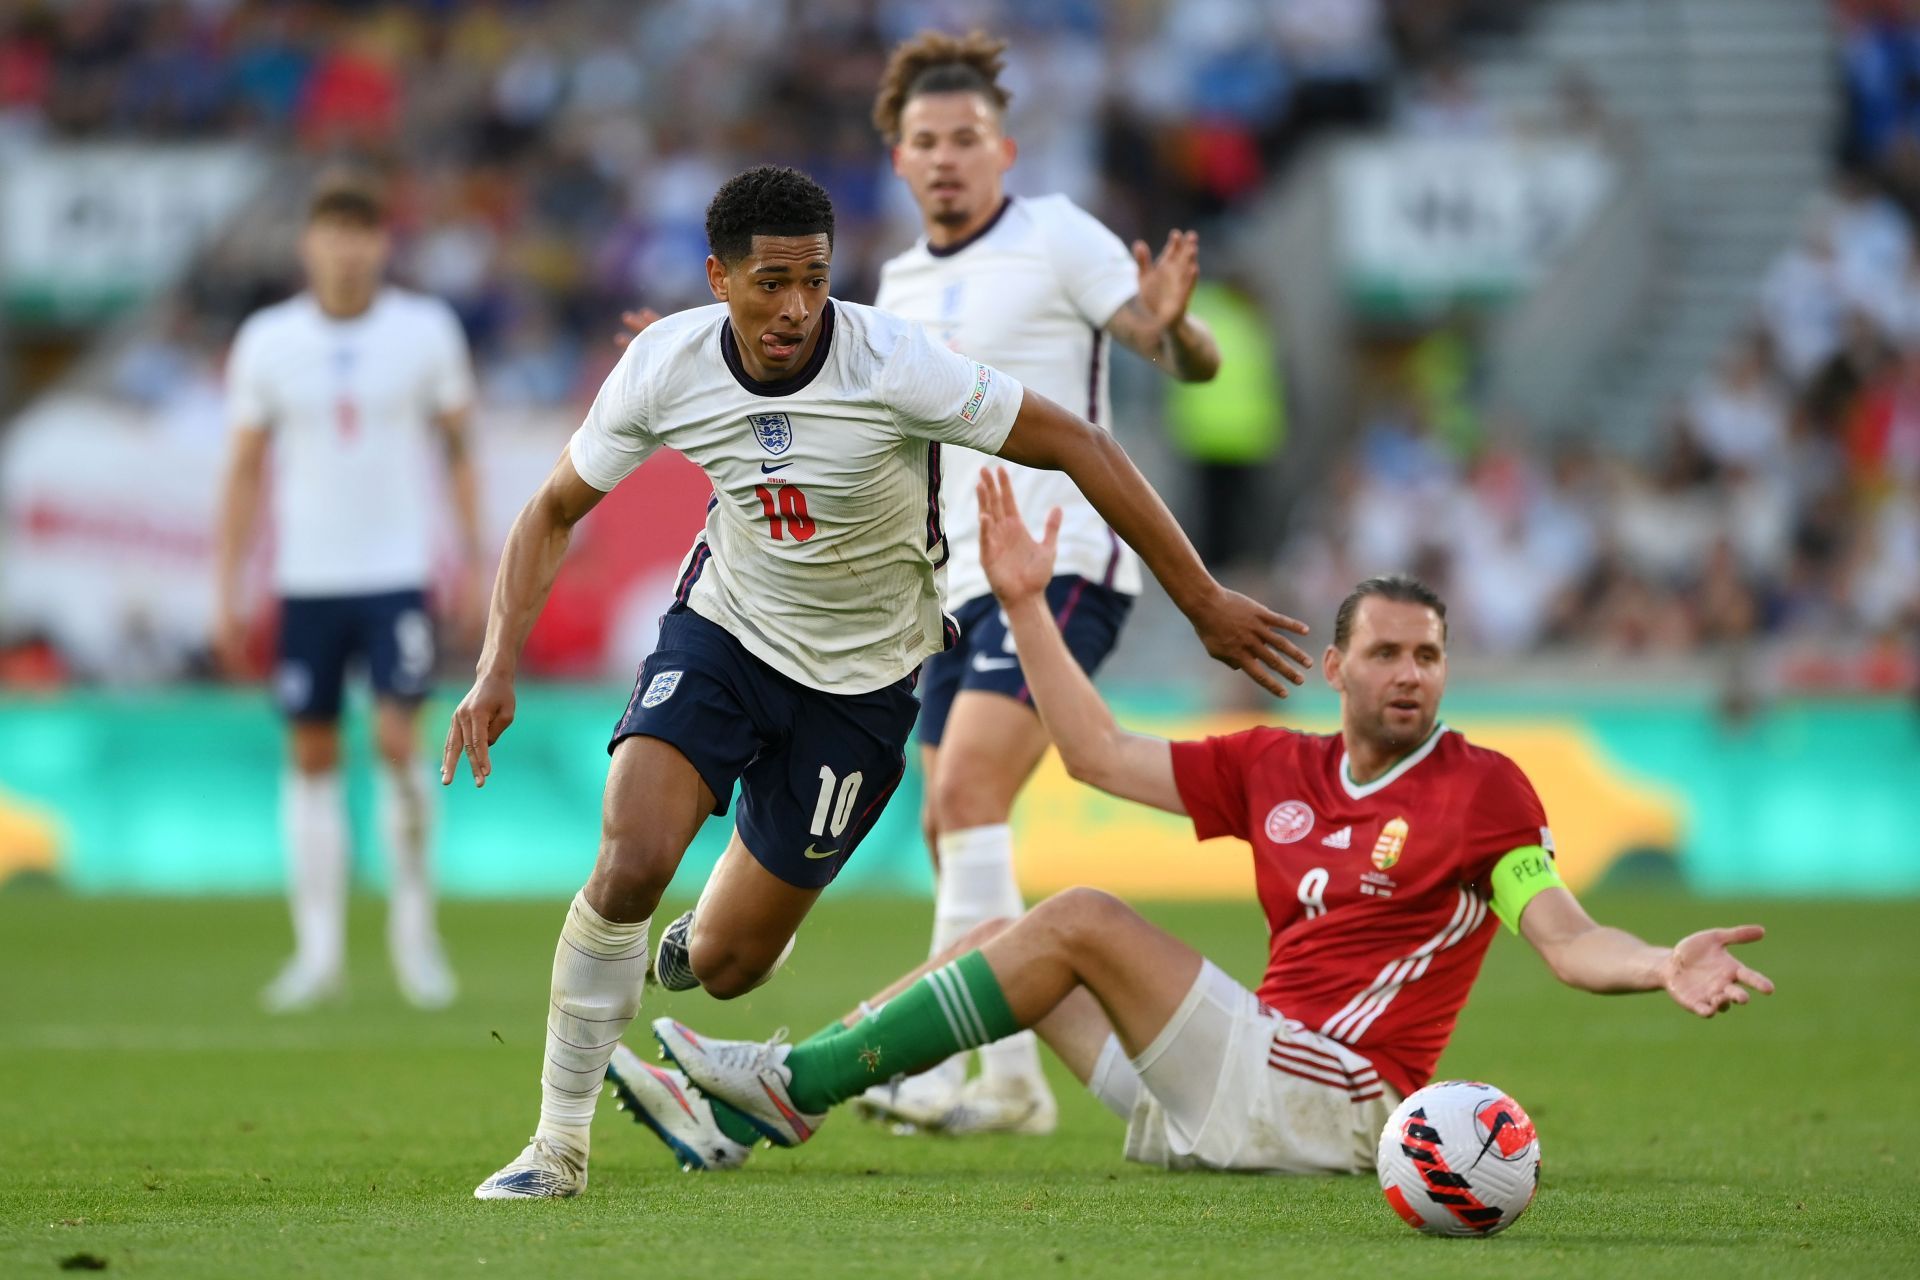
(1459, 1158)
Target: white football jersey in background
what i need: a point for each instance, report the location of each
(823, 546)
(1030, 295)
(350, 406)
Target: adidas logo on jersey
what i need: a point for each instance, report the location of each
(1341, 839)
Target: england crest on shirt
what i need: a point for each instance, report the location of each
(774, 431)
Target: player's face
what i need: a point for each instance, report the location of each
(1392, 674)
(344, 259)
(953, 156)
(775, 297)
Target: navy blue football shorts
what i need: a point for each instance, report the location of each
(1090, 617)
(815, 769)
(390, 631)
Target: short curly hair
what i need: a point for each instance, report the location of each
(770, 200)
(936, 62)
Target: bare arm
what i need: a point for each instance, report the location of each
(239, 508)
(456, 429)
(1242, 633)
(1698, 971)
(1093, 747)
(1154, 323)
(463, 487)
(528, 565)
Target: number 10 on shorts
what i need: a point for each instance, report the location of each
(834, 809)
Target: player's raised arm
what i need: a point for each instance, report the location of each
(1094, 748)
(1154, 323)
(528, 564)
(1243, 633)
(1699, 972)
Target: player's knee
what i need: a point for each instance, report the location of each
(964, 797)
(1079, 913)
(725, 972)
(315, 751)
(634, 868)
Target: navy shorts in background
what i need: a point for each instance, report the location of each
(391, 631)
(1089, 616)
(815, 769)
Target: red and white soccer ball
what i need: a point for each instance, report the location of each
(1459, 1158)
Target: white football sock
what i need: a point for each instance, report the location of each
(314, 823)
(1114, 1081)
(977, 885)
(598, 969)
(405, 806)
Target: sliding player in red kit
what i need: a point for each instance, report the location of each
(1382, 855)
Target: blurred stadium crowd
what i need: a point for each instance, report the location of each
(551, 162)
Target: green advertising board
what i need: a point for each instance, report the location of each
(176, 792)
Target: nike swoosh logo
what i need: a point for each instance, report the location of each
(768, 468)
(981, 662)
(1501, 1121)
(817, 854)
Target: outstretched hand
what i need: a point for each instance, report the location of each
(636, 323)
(1166, 284)
(482, 716)
(1703, 977)
(1017, 567)
(1251, 638)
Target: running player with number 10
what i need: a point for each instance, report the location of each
(804, 610)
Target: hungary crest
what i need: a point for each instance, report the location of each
(774, 431)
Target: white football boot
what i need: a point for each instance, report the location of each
(676, 1112)
(301, 985)
(912, 1103)
(542, 1172)
(672, 967)
(1008, 1105)
(425, 977)
(750, 1076)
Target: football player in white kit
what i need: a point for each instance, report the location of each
(1035, 287)
(789, 660)
(353, 389)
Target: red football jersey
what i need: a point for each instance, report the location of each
(1376, 894)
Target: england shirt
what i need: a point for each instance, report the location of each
(824, 542)
(350, 406)
(1030, 294)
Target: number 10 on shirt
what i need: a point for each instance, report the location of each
(785, 505)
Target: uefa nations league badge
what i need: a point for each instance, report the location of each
(774, 431)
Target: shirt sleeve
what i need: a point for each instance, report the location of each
(247, 405)
(1095, 268)
(1505, 815)
(1211, 776)
(452, 385)
(937, 394)
(617, 435)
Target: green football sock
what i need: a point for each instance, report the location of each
(957, 1006)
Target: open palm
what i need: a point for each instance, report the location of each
(1703, 976)
(1016, 565)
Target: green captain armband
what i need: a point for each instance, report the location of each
(1517, 878)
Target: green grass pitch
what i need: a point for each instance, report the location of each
(150, 1118)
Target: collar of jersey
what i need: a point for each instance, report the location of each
(948, 251)
(1360, 791)
(730, 352)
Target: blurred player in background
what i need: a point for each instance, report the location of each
(353, 389)
(1382, 855)
(1036, 287)
(805, 609)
